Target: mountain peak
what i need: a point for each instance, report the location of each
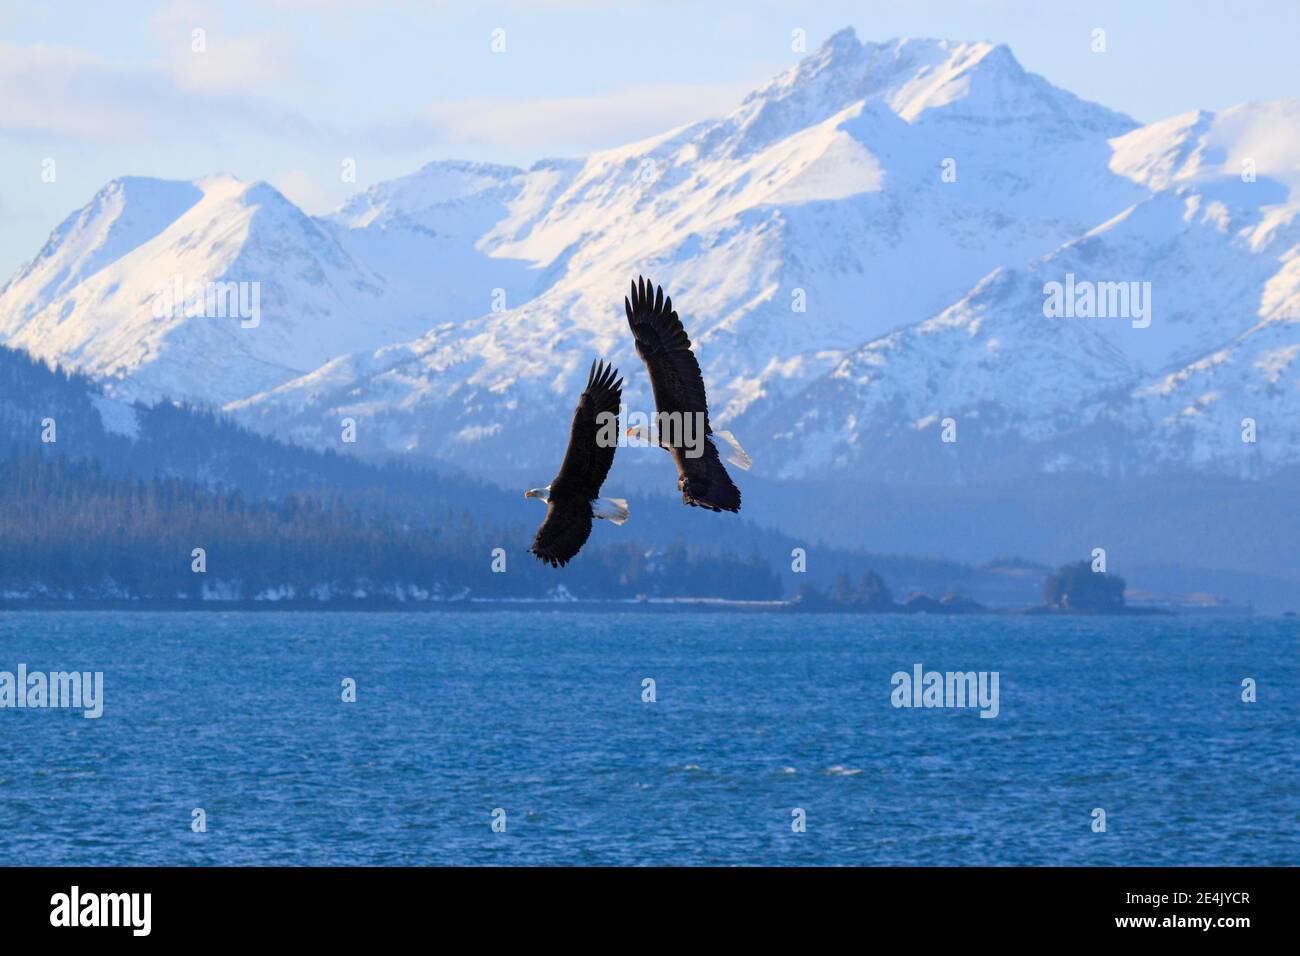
(840, 45)
(436, 183)
(916, 78)
(123, 214)
(1213, 152)
(456, 307)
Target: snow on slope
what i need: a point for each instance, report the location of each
(121, 216)
(1222, 260)
(454, 312)
(419, 197)
(423, 234)
(126, 249)
(1203, 413)
(823, 189)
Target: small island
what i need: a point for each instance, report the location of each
(1074, 588)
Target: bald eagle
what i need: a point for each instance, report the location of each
(683, 407)
(572, 498)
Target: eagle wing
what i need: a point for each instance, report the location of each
(705, 481)
(563, 531)
(593, 439)
(665, 348)
(678, 385)
(590, 454)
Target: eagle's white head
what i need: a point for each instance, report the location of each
(543, 493)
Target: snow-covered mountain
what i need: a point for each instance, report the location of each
(859, 251)
(101, 296)
(1220, 259)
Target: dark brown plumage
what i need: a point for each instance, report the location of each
(678, 385)
(586, 463)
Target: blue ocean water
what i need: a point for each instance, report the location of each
(541, 715)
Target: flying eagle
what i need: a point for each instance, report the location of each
(572, 498)
(683, 408)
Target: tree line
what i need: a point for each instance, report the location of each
(68, 529)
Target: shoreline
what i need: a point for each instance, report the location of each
(612, 605)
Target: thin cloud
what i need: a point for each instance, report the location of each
(204, 55)
(580, 122)
(67, 92)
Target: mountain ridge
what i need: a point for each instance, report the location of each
(451, 312)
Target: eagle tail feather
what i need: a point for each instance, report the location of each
(738, 456)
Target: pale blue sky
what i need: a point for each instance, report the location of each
(287, 88)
